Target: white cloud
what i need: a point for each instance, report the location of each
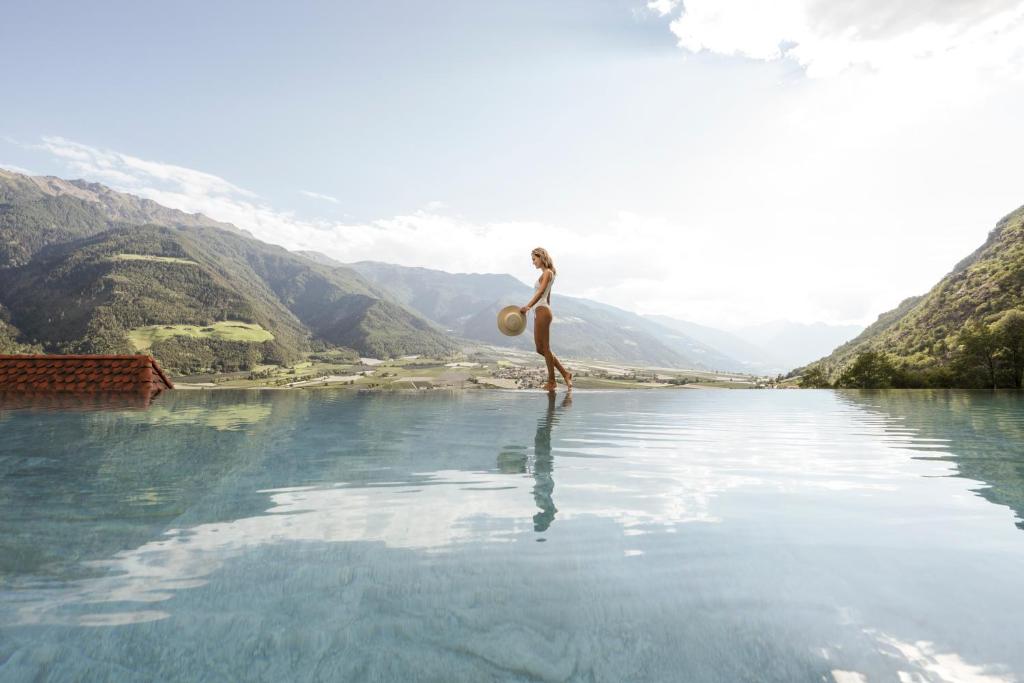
(317, 195)
(850, 190)
(662, 7)
(130, 172)
(829, 37)
(936, 665)
(17, 169)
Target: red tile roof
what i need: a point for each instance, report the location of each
(81, 374)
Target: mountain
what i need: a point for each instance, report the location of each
(465, 304)
(78, 274)
(753, 359)
(922, 337)
(767, 349)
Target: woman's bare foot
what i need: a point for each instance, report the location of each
(549, 385)
(567, 377)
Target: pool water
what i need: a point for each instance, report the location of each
(674, 535)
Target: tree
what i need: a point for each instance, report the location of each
(814, 378)
(869, 370)
(978, 345)
(1010, 336)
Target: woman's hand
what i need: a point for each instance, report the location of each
(524, 309)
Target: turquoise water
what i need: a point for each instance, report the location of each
(680, 535)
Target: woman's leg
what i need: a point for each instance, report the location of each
(541, 336)
(561, 370)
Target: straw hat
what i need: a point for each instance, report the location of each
(510, 321)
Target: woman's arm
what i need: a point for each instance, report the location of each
(544, 279)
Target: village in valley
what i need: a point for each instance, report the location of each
(480, 368)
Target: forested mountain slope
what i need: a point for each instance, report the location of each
(961, 333)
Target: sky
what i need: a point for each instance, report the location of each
(727, 162)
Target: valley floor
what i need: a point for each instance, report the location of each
(497, 369)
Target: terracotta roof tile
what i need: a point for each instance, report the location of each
(81, 373)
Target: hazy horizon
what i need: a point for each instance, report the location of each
(725, 163)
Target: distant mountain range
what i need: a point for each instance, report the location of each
(924, 337)
(84, 268)
(770, 348)
(465, 305)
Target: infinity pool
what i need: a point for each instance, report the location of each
(686, 535)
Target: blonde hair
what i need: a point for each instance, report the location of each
(545, 258)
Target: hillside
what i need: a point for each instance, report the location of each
(78, 276)
(447, 299)
(924, 338)
(342, 308)
(87, 295)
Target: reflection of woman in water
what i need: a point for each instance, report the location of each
(514, 459)
(542, 316)
(543, 464)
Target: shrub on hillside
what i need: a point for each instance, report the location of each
(1009, 332)
(870, 370)
(990, 354)
(191, 355)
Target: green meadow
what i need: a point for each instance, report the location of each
(142, 338)
(156, 259)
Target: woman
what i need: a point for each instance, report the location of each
(542, 317)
